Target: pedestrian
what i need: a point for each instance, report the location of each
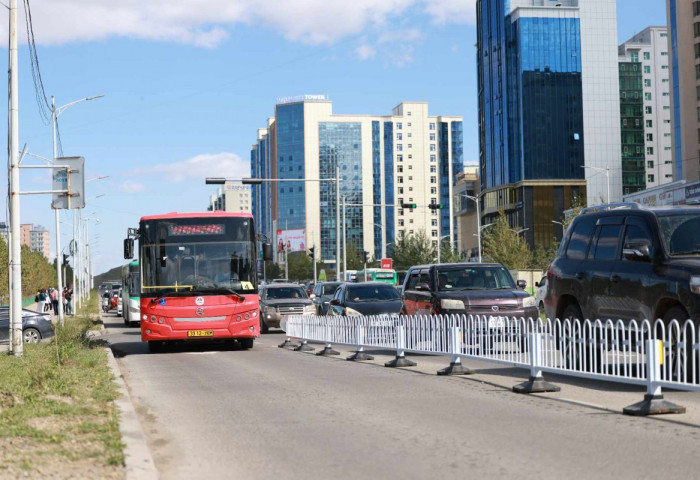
(40, 300)
(47, 303)
(54, 300)
(69, 297)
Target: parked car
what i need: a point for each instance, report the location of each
(322, 295)
(278, 300)
(540, 294)
(366, 298)
(120, 307)
(466, 288)
(35, 325)
(627, 262)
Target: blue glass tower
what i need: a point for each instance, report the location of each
(530, 114)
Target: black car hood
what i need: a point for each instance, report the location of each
(486, 297)
(376, 308)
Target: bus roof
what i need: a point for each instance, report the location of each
(216, 214)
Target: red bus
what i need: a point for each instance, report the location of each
(198, 277)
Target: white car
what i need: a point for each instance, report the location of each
(540, 294)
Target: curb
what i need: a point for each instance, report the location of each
(137, 457)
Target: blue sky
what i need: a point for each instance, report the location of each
(188, 82)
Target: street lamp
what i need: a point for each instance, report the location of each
(258, 181)
(440, 239)
(606, 171)
(55, 112)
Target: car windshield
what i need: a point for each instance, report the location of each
(680, 233)
(372, 293)
(280, 293)
(474, 278)
(329, 288)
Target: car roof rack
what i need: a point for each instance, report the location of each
(611, 206)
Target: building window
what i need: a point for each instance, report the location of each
(408, 114)
(409, 135)
(650, 150)
(634, 57)
(650, 164)
(649, 123)
(399, 158)
(399, 169)
(664, 54)
(399, 136)
(647, 82)
(410, 220)
(434, 233)
(647, 110)
(697, 50)
(624, 122)
(410, 145)
(398, 126)
(647, 56)
(647, 69)
(432, 137)
(433, 169)
(400, 190)
(696, 29)
(409, 124)
(650, 137)
(399, 147)
(433, 180)
(647, 96)
(432, 126)
(410, 156)
(432, 158)
(410, 167)
(433, 190)
(400, 179)
(650, 178)
(410, 177)
(401, 222)
(433, 223)
(696, 9)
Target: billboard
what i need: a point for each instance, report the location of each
(291, 240)
(72, 180)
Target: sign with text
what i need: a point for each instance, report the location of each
(71, 179)
(386, 263)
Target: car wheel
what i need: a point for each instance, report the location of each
(540, 307)
(155, 346)
(263, 326)
(31, 335)
(681, 358)
(247, 343)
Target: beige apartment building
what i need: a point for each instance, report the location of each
(36, 238)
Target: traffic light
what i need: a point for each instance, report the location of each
(435, 206)
(312, 252)
(65, 259)
(366, 257)
(408, 205)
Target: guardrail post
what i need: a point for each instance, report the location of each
(328, 350)
(304, 347)
(288, 343)
(653, 403)
(400, 360)
(536, 382)
(360, 354)
(456, 367)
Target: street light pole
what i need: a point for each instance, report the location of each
(337, 223)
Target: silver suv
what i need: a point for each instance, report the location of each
(277, 300)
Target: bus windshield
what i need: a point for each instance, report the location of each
(209, 255)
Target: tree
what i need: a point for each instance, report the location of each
(413, 249)
(541, 257)
(502, 245)
(300, 266)
(449, 255)
(354, 257)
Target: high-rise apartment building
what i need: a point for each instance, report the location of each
(408, 156)
(548, 106)
(36, 238)
(684, 48)
(232, 197)
(645, 109)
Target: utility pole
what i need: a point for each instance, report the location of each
(59, 278)
(337, 223)
(15, 251)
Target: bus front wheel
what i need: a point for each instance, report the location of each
(155, 346)
(247, 343)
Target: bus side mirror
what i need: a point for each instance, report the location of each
(128, 248)
(267, 251)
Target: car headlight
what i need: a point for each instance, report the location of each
(352, 313)
(695, 284)
(451, 304)
(529, 302)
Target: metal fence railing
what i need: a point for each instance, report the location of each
(652, 354)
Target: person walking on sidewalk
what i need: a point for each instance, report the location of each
(40, 300)
(68, 295)
(54, 300)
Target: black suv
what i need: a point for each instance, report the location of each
(624, 261)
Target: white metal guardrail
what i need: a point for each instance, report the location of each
(652, 354)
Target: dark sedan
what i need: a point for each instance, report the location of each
(35, 325)
(369, 298)
(322, 296)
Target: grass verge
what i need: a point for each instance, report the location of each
(57, 413)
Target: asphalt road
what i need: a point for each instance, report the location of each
(217, 412)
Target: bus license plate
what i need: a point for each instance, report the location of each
(200, 333)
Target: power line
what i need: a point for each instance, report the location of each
(39, 92)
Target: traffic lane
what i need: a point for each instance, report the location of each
(270, 411)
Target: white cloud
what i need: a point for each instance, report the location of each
(206, 23)
(131, 186)
(365, 52)
(228, 165)
(451, 11)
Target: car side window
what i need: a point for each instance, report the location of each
(412, 279)
(424, 277)
(338, 294)
(607, 242)
(580, 237)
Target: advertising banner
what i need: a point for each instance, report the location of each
(72, 180)
(386, 263)
(290, 241)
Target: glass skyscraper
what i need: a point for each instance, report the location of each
(532, 111)
(407, 156)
